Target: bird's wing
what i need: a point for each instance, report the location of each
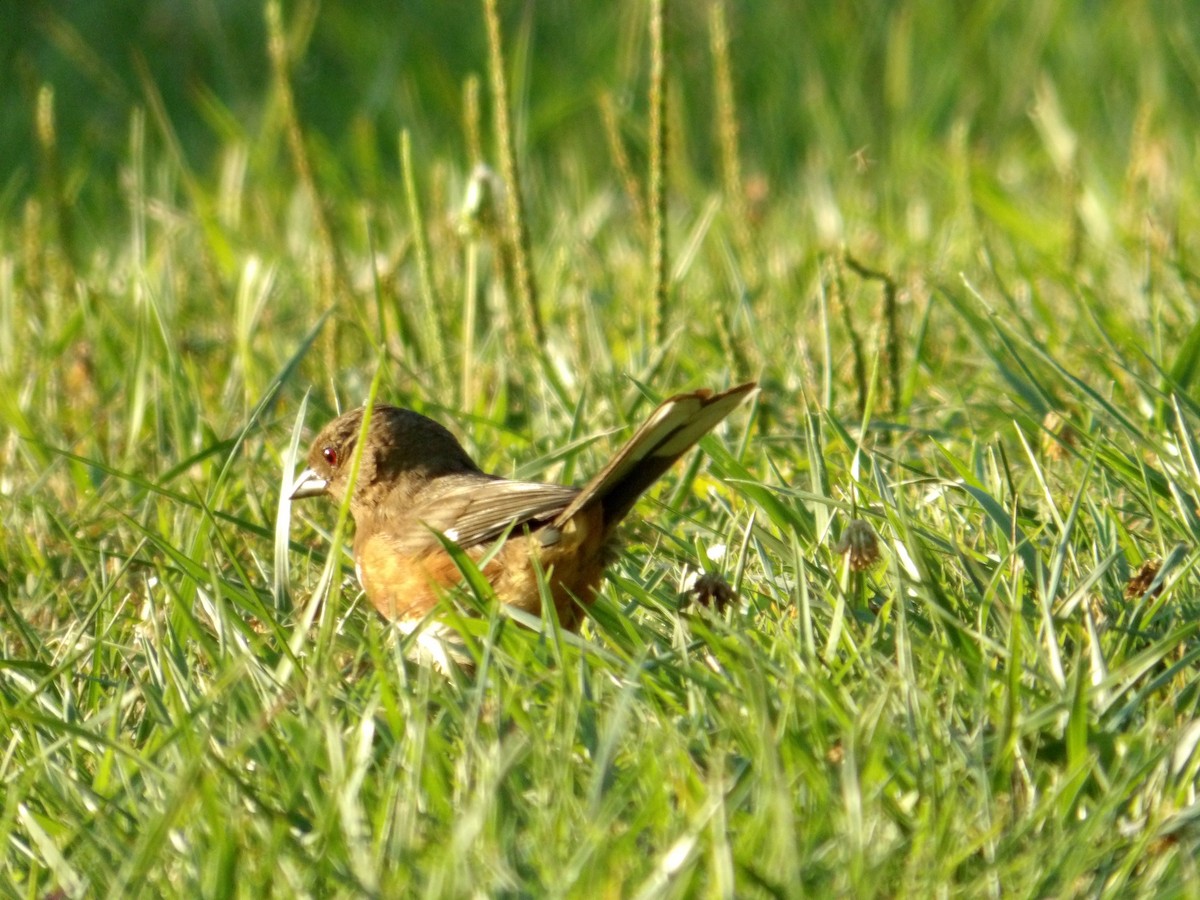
(474, 511)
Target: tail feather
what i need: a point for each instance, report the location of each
(670, 432)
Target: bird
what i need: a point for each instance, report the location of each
(417, 488)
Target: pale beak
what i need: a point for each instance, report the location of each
(308, 484)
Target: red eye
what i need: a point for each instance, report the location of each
(330, 456)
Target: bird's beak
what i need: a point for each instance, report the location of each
(308, 484)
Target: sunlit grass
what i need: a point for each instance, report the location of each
(969, 302)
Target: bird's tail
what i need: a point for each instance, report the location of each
(669, 433)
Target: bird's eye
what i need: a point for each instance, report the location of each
(330, 456)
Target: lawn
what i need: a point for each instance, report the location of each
(955, 247)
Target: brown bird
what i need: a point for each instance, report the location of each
(416, 481)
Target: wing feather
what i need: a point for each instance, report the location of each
(482, 510)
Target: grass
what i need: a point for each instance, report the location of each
(961, 267)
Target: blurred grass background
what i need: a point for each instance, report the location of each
(956, 247)
(815, 85)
